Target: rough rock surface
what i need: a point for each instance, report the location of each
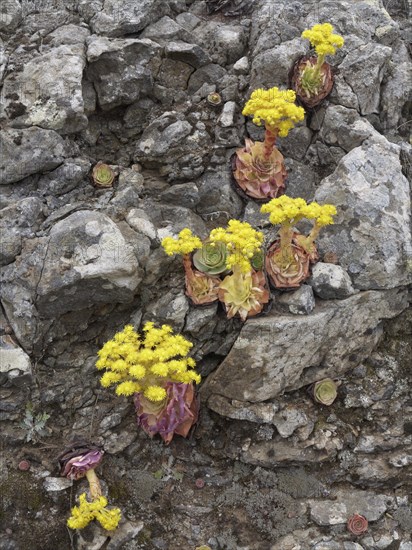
(127, 83)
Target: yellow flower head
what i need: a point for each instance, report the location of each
(184, 244)
(276, 108)
(284, 209)
(145, 364)
(323, 40)
(87, 511)
(242, 242)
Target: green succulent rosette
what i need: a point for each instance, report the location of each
(258, 260)
(211, 258)
(325, 391)
(103, 175)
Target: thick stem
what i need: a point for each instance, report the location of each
(310, 239)
(319, 63)
(286, 234)
(269, 142)
(94, 483)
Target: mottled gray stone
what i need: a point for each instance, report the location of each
(298, 302)
(170, 308)
(10, 15)
(201, 321)
(209, 74)
(183, 194)
(165, 30)
(48, 92)
(336, 337)
(66, 177)
(52, 484)
(276, 61)
(296, 143)
(15, 364)
(345, 128)
(18, 221)
(68, 35)
(371, 235)
(227, 116)
(241, 66)
(120, 17)
(139, 221)
(192, 54)
(342, 94)
(363, 69)
(227, 42)
(121, 70)
(330, 282)
(28, 151)
(219, 202)
(333, 512)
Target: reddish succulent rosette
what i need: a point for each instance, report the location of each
(357, 524)
(78, 458)
(295, 76)
(175, 415)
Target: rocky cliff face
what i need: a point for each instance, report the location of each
(127, 83)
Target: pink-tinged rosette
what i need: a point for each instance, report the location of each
(357, 524)
(78, 458)
(175, 415)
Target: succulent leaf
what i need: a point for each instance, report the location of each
(294, 272)
(102, 175)
(244, 294)
(325, 391)
(258, 176)
(211, 258)
(175, 415)
(202, 289)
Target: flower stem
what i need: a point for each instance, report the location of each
(310, 239)
(94, 484)
(320, 61)
(286, 235)
(269, 142)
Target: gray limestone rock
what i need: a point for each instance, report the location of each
(363, 69)
(10, 15)
(371, 235)
(66, 177)
(328, 512)
(330, 282)
(280, 353)
(276, 61)
(298, 302)
(192, 54)
(209, 74)
(48, 91)
(28, 151)
(121, 70)
(219, 202)
(67, 35)
(344, 128)
(120, 17)
(166, 30)
(17, 222)
(15, 364)
(183, 194)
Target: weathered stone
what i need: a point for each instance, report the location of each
(15, 364)
(52, 484)
(226, 42)
(121, 70)
(328, 512)
(173, 143)
(183, 194)
(276, 61)
(363, 69)
(28, 151)
(118, 18)
(219, 202)
(371, 234)
(298, 302)
(345, 128)
(296, 143)
(171, 308)
(165, 30)
(191, 54)
(330, 282)
(280, 353)
(139, 221)
(10, 15)
(48, 92)
(241, 66)
(227, 115)
(174, 74)
(67, 35)
(209, 74)
(18, 221)
(66, 177)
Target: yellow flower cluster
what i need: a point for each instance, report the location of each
(242, 243)
(146, 365)
(87, 511)
(185, 244)
(276, 108)
(323, 40)
(284, 209)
